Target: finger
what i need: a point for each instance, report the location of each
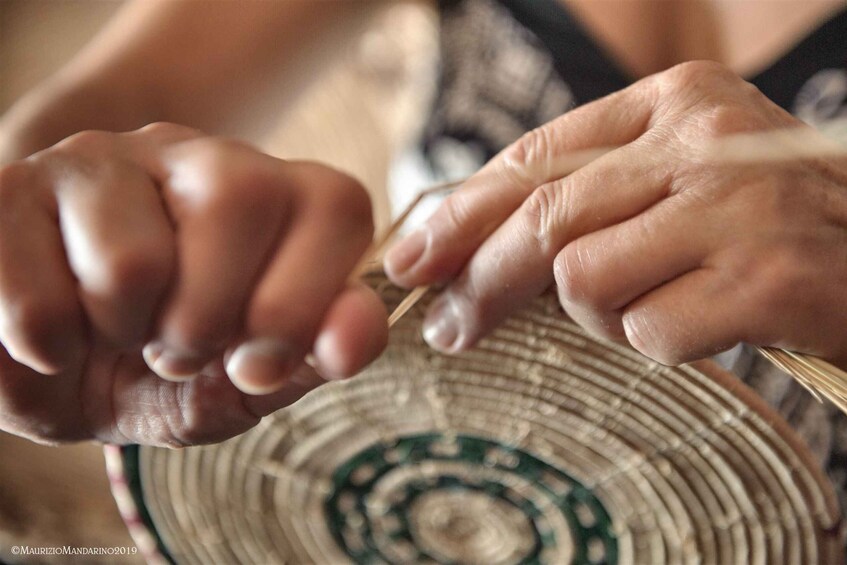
(692, 317)
(516, 263)
(41, 322)
(119, 244)
(146, 409)
(603, 271)
(39, 407)
(127, 403)
(332, 229)
(437, 250)
(230, 211)
(752, 293)
(303, 380)
(353, 333)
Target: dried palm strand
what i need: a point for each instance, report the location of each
(821, 379)
(406, 304)
(372, 256)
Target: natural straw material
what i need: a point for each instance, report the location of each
(820, 378)
(816, 375)
(541, 443)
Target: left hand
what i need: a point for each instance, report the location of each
(163, 286)
(651, 243)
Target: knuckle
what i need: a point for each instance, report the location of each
(346, 199)
(223, 172)
(208, 414)
(188, 426)
(167, 130)
(725, 117)
(210, 154)
(533, 149)
(692, 73)
(572, 278)
(163, 422)
(87, 142)
(541, 212)
(456, 211)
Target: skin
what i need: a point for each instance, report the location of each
(122, 287)
(151, 63)
(180, 281)
(681, 257)
(746, 36)
(182, 276)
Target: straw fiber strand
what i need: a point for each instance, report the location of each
(540, 445)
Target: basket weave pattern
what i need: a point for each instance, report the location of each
(540, 445)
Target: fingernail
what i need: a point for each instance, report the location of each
(401, 257)
(325, 349)
(260, 366)
(441, 328)
(169, 365)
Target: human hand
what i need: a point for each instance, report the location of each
(654, 242)
(224, 264)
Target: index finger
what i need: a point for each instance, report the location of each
(437, 250)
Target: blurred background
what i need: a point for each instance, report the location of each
(355, 116)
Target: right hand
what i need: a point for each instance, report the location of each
(224, 265)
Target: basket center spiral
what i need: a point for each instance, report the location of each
(464, 499)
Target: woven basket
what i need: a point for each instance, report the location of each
(541, 445)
